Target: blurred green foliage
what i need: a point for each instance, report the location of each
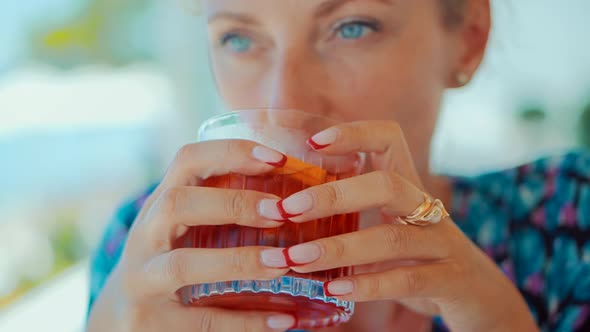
(68, 248)
(533, 113)
(66, 241)
(537, 114)
(115, 32)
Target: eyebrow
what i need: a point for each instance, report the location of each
(330, 6)
(325, 9)
(242, 18)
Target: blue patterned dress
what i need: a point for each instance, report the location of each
(533, 221)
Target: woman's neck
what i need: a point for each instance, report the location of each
(437, 186)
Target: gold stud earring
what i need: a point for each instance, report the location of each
(462, 78)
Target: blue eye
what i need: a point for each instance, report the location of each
(354, 30)
(237, 43)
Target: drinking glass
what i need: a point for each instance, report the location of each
(299, 294)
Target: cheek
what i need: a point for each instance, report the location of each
(424, 53)
(386, 85)
(237, 88)
(359, 92)
(394, 81)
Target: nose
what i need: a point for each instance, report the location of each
(296, 83)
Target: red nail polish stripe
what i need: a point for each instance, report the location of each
(280, 163)
(315, 145)
(281, 220)
(290, 262)
(286, 215)
(326, 291)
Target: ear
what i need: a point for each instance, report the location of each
(472, 39)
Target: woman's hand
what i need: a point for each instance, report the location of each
(435, 270)
(140, 294)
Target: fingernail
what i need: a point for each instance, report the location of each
(323, 139)
(302, 254)
(281, 322)
(284, 214)
(269, 156)
(273, 258)
(268, 208)
(338, 287)
(295, 205)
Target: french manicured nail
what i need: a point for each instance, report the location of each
(269, 156)
(284, 322)
(267, 208)
(295, 205)
(338, 288)
(323, 139)
(302, 254)
(273, 258)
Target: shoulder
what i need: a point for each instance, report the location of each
(550, 196)
(554, 191)
(550, 238)
(113, 241)
(574, 166)
(534, 220)
(122, 220)
(562, 178)
(126, 213)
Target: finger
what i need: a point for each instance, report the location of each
(220, 157)
(384, 139)
(388, 190)
(198, 161)
(172, 270)
(179, 207)
(419, 281)
(213, 320)
(366, 136)
(376, 244)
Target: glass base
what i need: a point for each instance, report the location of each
(303, 298)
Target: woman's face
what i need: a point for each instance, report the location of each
(347, 59)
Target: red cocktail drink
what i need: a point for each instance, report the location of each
(299, 294)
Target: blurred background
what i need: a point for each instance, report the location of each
(97, 95)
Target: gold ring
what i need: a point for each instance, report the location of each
(428, 213)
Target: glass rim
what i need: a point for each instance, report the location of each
(212, 121)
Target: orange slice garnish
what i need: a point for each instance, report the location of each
(309, 174)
